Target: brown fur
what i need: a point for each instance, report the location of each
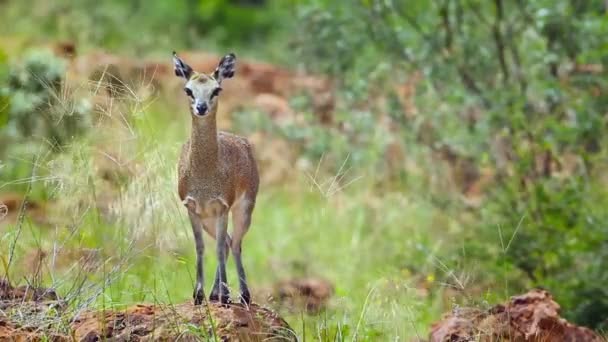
(216, 166)
(217, 174)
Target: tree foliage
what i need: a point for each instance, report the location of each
(536, 70)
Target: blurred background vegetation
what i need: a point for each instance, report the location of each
(465, 146)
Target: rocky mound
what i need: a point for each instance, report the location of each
(186, 321)
(533, 317)
(40, 316)
(309, 294)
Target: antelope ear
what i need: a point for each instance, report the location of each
(181, 68)
(225, 68)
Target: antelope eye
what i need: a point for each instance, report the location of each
(188, 92)
(216, 92)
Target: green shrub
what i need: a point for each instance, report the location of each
(516, 63)
(41, 107)
(161, 25)
(4, 101)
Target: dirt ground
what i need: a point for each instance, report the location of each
(28, 314)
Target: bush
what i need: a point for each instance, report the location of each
(4, 101)
(41, 107)
(528, 67)
(161, 25)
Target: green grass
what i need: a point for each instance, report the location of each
(291, 236)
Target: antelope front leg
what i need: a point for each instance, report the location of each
(220, 287)
(197, 229)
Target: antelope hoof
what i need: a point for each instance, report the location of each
(198, 296)
(223, 299)
(245, 298)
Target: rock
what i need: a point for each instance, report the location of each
(531, 317)
(14, 333)
(186, 321)
(310, 294)
(28, 304)
(24, 293)
(10, 208)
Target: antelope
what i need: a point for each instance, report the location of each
(217, 174)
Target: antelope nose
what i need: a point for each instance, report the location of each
(201, 108)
